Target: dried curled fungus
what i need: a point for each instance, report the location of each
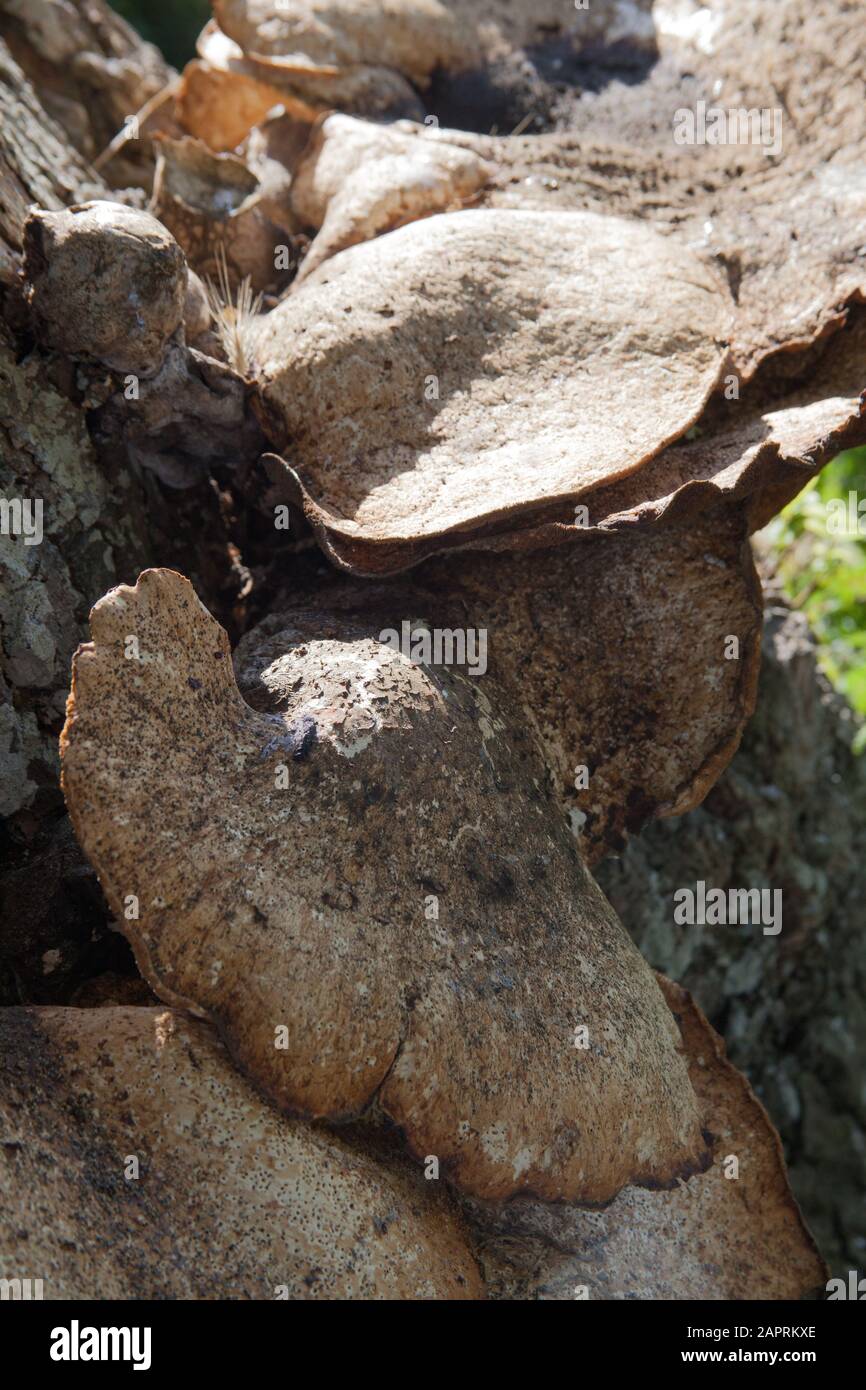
(365, 852)
(357, 179)
(224, 93)
(214, 206)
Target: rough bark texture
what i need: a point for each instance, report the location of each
(790, 812)
(93, 73)
(104, 519)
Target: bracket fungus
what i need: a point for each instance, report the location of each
(533, 387)
(191, 801)
(204, 1190)
(224, 93)
(347, 35)
(753, 452)
(733, 1232)
(213, 204)
(635, 656)
(699, 141)
(458, 52)
(105, 282)
(451, 418)
(356, 180)
(741, 142)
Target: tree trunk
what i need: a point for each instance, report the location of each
(791, 812)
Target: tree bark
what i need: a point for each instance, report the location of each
(790, 812)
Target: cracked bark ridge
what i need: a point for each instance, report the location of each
(92, 72)
(454, 416)
(264, 904)
(231, 1199)
(37, 163)
(713, 1237)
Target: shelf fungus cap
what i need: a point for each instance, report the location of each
(734, 1232)
(635, 655)
(363, 858)
(215, 206)
(411, 38)
(107, 282)
(224, 93)
(423, 39)
(228, 1199)
(356, 180)
(486, 363)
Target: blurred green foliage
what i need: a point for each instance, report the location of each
(819, 548)
(173, 25)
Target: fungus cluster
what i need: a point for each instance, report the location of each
(536, 387)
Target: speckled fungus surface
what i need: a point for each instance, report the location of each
(105, 282)
(203, 1190)
(356, 180)
(732, 133)
(300, 865)
(733, 1232)
(635, 656)
(485, 364)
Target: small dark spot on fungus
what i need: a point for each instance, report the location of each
(303, 738)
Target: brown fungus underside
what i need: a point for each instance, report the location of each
(231, 1200)
(635, 657)
(729, 1233)
(282, 860)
